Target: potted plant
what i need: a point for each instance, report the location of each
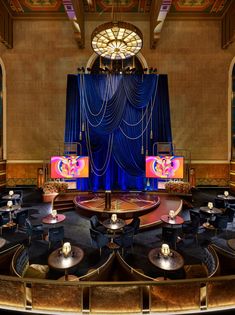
(52, 189)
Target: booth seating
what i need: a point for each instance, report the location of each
(6, 256)
(209, 267)
(226, 256)
(102, 273)
(128, 273)
(21, 268)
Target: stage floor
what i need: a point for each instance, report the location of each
(149, 207)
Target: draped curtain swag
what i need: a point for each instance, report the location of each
(117, 119)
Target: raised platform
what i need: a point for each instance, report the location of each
(148, 206)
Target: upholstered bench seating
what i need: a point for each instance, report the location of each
(20, 266)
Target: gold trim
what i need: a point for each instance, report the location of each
(24, 161)
(210, 162)
(3, 173)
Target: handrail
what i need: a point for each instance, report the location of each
(163, 296)
(116, 283)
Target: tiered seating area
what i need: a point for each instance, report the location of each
(115, 283)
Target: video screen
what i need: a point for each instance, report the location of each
(164, 166)
(69, 166)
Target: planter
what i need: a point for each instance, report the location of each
(48, 197)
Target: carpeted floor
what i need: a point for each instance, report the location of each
(77, 233)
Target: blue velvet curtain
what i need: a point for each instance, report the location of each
(117, 119)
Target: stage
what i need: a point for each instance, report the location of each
(149, 207)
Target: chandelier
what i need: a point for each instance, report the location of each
(116, 40)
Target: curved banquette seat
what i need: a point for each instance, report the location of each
(211, 262)
(209, 266)
(6, 256)
(226, 256)
(102, 273)
(127, 272)
(20, 266)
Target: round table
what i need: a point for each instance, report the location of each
(113, 227)
(210, 211)
(58, 261)
(229, 197)
(49, 219)
(231, 243)
(177, 219)
(13, 197)
(170, 263)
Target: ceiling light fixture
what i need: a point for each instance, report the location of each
(116, 40)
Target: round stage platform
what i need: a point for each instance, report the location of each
(149, 207)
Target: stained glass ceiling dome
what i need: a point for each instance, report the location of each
(116, 40)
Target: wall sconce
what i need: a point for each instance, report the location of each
(66, 249)
(210, 205)
(165, 250)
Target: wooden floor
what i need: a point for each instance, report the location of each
(148, 207)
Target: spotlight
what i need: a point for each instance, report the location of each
(106, 69)
(81, 70)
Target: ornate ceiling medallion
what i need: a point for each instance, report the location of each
(116, 40)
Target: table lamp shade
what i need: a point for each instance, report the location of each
(114, 218)
(54, 213)
(210, 205)
(172, 214)
(226, 193)
(66, 249)
(165, 250)
(9, 203)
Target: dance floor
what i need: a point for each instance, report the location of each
(149, 207)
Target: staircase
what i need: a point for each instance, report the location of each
(64, 202)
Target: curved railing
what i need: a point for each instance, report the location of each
(178, 296)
